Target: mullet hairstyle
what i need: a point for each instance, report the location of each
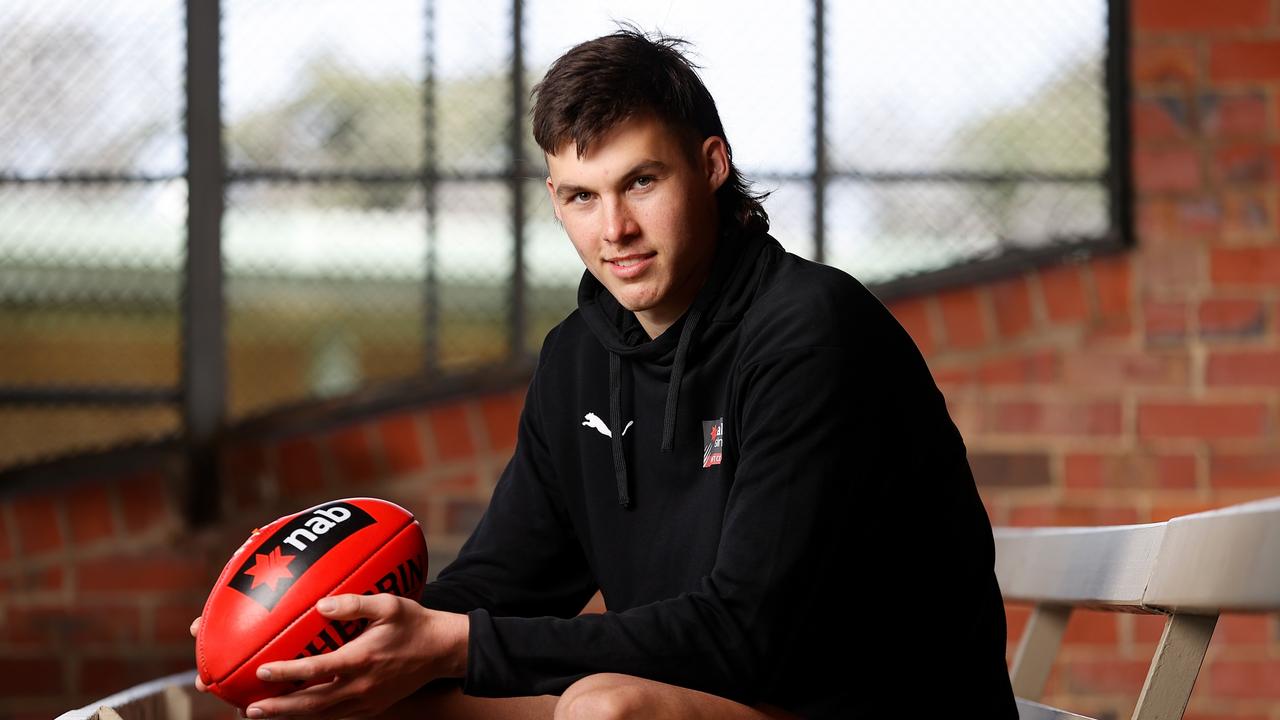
(602, 83)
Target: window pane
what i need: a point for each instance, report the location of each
(324, 84)
(324, 287)
(91, 86)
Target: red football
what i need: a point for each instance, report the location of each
(263, 606)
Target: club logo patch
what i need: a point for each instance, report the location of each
(286, 555)
(712, 442)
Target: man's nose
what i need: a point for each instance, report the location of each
(619, 225)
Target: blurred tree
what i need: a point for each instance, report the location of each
(343, 120)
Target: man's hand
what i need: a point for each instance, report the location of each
(404, 647)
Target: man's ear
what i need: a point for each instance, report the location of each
(715, 159)
(555, 207)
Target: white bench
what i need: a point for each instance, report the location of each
(1190, 569)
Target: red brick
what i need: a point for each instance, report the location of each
(131, 574)
(1105, 675)
(1164, 323)
(1167, 510)
(913, 315)
(1165, 64)
(172, 622)
(1244, 469)
(455, 483)
(1167, 169)
(1237, 629)
(1084, 471)
(501, 415)
(962, 318)
(62, 626)
(106, 675)
(1064, 296)
(1009, 469)
(90, 516)
(452, 432)
(1245, 60)
(37, 520)
(401, 444)
(1033, 368)
(1232, 318)
(41, 578)
(1247, 214)
(245, 469)
(6, 550)
(1111, 281)
(298, 466)
(1011, 300)
(1234, 116)
(1242, 164)
(350, 451)
(1205, 420)
(1092, 627)
(945, 374)
(1028, 417)
(1172, 266)
(144, 501)
(1176, 472)
(1073, 514)
(1249, 368)
(1245, 678)
(1096, 471)
(30, 677)
(1175, 15)
(1120, 370)
(1254, 266)
(1160, 119)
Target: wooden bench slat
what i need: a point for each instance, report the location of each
(1094, 567)
(1220, 561)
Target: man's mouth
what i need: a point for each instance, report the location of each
(629, 265)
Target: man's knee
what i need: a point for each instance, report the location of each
(605, 696)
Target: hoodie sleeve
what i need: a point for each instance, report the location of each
(789, 498)
(522, 558)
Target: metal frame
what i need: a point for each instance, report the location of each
(202, 393)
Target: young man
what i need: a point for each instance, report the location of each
(742, 450)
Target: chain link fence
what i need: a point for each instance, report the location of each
(385, 212)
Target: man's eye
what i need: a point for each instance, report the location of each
(582, 197)
(643, 181)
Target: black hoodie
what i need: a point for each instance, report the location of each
(770, 496)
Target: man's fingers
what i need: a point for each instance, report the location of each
(195, 627)
(350, 607)
(307, 702)
(320, 666)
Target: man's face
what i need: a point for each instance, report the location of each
(640, 209)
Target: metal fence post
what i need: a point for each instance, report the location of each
(203, 349)
(518, 319)
(819, 131)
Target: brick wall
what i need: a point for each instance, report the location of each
(1140, 386)
(1129, 388)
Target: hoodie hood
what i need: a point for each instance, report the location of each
(728, 289)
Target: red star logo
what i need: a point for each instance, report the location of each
(715, 430)
(269, 569)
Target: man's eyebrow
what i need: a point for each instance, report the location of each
(644, 167)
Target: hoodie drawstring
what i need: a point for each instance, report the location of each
(677, 374)
(669, 415)
(615, 422)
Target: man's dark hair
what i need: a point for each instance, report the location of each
(601, 83)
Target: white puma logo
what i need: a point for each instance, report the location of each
(592, 420)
